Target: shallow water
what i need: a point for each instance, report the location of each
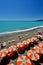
(6, 26)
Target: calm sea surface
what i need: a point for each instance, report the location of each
(6, 26)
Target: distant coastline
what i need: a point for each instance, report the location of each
(40, 20)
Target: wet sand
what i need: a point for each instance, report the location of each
(14, 36)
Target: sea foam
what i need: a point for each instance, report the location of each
(5, 33)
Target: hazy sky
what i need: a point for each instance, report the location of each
(21, 9)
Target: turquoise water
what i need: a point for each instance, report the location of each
(6, 26)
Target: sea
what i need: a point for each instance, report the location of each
(9, 26)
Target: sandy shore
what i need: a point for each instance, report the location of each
(5, 37)
(14, 35)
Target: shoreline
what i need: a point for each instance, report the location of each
(14, 36)
(19, 31)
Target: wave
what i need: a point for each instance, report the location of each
(1, 34)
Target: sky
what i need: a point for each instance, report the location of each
(21, 9)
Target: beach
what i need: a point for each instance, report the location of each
(28, 33)
(8, 36)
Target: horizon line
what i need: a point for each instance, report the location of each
(21, 19)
